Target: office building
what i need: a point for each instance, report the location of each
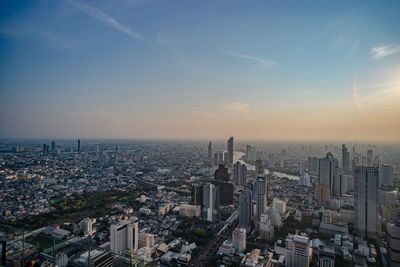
(230, 151)
(124, 235)
(189, 211)
(259, 167)
(312, 164)
(266, 227)
(86, 226)
(79, 146)
(386, 176)
(326, 257)
(196, 194)
(327, 169)
(345, 159)
(298, 251)
(366, 184)
(239, 174)
(261, 196)
(209, 151)
(245, 209)
(279, 205)
(209, 200)
(239, 239)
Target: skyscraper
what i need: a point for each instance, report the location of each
(197, 195)
(245, 209)
(259, 167)
(79, 146)
(239, 239)
(327, 169)
(299, 251)
(386, 175)
(209, 151)
(53, 147)
(239, 173)
(366, 182)
(44, 150)
(230, 150)
(261, 192)
(393, 232)
(345, 159)
(209, 199)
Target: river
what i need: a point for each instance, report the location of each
(237, 156)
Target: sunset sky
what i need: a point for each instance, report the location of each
(285, 70)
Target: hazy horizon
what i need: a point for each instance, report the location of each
(294, 71)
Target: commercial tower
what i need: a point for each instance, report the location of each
(298, 251)
(239, 173)
(230, 151)
(386, 177)
(327, 170)
(79, 146)
(345, 159)
(261, 195)
(239, 239)
(366, 183)
(209, 200)
(209, 151)
(245, 209)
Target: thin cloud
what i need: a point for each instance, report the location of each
(264, 62)
(384, 51)
(106, 19)
(236, 107)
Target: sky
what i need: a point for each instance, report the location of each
(273, 70)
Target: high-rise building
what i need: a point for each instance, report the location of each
(259, 167)
(239, 173)
(124, 235)
(326, 257)
(222, 173)
(245, 209)
(386, 177)
(345, 159)
(230, 150)
(146, 240)
(327, 168)
(239, 239)
(266, 227)
(79, 146)
(312, 164)
(261, 193)
(53, 147)
(366, 183)
(298, 251)
(370, 156)
(197, 195)
(393, 233)
(86, 226)
(340, 183)
(209, 200)
(44, 150)
(209, 151)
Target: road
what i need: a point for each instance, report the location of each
(213, 245)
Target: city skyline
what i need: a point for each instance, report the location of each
(185, 70)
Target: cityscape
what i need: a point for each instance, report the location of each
(199, 133)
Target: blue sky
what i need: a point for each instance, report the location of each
(192, 69)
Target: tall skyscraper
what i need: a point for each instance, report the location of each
(230, 150)
(44, 150)
(345, 159)
(79, 146)
(312, 164)
(261, 193)
(327, 168)
(53, 147)
(239, 173)
(209, 199)
(366, 183)
(386, 176)
(393, 233)
(245, 209)
(370, 156)
(197, 195)
(209, 151)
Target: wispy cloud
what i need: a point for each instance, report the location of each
(384, 51)
(236, 107)
(106, 19)
(264, 62)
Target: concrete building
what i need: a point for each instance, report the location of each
(239, 239)
(393, 233)
(298, 251)
(386, 177)
(366, 182)
(124, 235)
(260, 191)
(345, 159)
(230, 150)
(209, 200)
(190, 211)
(145, 240)
(245, 209)
(279, 205)
(327, 169)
